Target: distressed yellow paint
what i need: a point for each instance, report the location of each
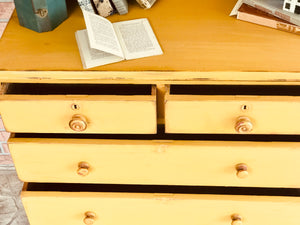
(202, 45)
(208, 163)
(199, 36)
(104, 114)
(148, 209)
(152, 77)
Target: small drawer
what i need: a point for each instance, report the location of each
(92, 208)
(67, 108)
(161, 162)
(233, 109)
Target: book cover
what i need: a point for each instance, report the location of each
(273, 7)
(254, 15)
(292, 6)
(104, 7)
(6, 9)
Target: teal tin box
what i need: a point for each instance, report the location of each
(41, 15)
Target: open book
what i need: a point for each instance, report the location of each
(104, 42)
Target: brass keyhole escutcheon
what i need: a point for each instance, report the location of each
(236, 219)
(90, 218)
(78, 123)
(75, 106)
(83, 169)
(42, 12)
(241, 170)
(243, 125)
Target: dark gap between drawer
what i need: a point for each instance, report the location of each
(161, 135)
(63, 187)
(78, 89)
(264, 90)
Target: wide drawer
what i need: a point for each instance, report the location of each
(58, 108)
(79, 208)
(232, 110)
(211, 163)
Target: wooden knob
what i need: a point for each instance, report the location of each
(89, 218)
(236, 219)
(78, 123)
(243, 125)
(83, 169)
(241, 170)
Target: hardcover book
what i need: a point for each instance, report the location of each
(104, 42)
(273, 7)
(253, 15)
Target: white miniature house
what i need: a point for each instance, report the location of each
(292, 6)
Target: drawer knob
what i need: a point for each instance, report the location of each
(78, 123)
(243, 125)
(83, 169)
(241, 170)
(236, 219)
(89, 218)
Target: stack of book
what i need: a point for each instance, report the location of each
(109, 7)
(270, 13)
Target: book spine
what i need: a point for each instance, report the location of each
(289, 17)
(121, 6)
(268, 23)
(288, 28)
(104, 7)
(146, 4)
(86, 5)
(6, 10)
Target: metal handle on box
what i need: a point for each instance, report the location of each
(40, 12)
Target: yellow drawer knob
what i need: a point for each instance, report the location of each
(89, 218)
(243, 125)
(83, 169)
(241, 170)
(236, 219)
(78, 123)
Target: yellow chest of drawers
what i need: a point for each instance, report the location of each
(218, 109)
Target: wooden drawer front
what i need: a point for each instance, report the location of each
(223, 114)
(148, 209)
(248, 164)
(231, 114)
(87, 114)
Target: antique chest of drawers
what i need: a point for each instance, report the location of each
(207, 133)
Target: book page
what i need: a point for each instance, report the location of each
(92, 57)
(137, 39)
(101, 34)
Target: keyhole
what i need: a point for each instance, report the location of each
(75, 107)
(245, 107)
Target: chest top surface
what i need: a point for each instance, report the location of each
(198, 36)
